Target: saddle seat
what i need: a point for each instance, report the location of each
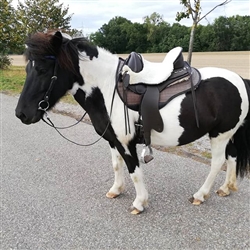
(142, 71)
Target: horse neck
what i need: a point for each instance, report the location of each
(100, 72)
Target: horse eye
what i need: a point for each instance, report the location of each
(40, 70)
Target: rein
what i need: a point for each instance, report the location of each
(51, 124)
(45, 103)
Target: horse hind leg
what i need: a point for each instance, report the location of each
(230, 182)
(119, 183)
(218, 147)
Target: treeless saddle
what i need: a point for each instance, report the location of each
(148, 99)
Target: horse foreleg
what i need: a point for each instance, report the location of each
(128, 154)
(136, 175)
(218, 146)
(141, 199)
(119, 183)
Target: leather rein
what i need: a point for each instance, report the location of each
(44, 105)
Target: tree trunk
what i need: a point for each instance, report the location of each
(191, 42)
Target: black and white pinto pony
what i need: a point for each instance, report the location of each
(57, 65)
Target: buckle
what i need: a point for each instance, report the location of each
(43, 105)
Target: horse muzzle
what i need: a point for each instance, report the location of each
(26, 119)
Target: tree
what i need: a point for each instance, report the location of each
(177, 36)
(195, 13)
(223, 34)
(240, 27)
(10, 37)
(137, 38)
(41, 15)
(205, 38)
(157, 30)
(155, 35)
(114, 35)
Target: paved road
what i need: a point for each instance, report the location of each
(53, 196)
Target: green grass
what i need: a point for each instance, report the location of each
(206, 155)
(12, 81)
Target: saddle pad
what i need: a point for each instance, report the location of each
(133, 99)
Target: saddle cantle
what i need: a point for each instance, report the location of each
(148, 99)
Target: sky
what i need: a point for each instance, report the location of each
(90, 15)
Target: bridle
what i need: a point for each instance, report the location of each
(45, 100)
(45, 103)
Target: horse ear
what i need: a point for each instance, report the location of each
(89, 49)
(56, 41)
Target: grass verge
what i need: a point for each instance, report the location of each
(12, 81)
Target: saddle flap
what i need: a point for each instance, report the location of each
(150, 113)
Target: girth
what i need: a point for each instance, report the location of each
(149, 99)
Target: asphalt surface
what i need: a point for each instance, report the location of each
(53, 196)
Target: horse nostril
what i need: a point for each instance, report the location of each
(21, 116)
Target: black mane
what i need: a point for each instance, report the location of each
(40, 46)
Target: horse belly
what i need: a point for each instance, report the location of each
(172, 129)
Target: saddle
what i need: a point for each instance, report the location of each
(148, 99)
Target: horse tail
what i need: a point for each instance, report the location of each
(241, 141)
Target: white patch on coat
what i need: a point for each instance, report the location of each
(141, 193)
(172, 129)
(230, 182)
(119, 182)
(98, 73)
(74, 89)
(218, 147)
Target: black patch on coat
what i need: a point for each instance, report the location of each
(96, 109)
(218, 104)
(231, 150)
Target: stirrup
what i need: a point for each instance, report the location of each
(146, 158)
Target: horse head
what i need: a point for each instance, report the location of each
(52, 69)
